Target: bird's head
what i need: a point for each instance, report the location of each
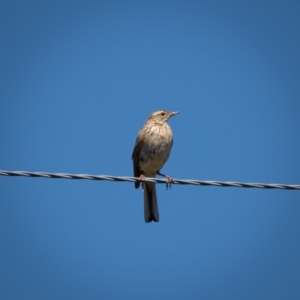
(161, 116)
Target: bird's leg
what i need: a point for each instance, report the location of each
(142, 180)
(168, 179)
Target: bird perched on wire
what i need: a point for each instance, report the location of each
(151, 151)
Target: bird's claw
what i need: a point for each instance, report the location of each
(169, 182)
(142, 180)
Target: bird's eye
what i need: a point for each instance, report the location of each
(162, 113)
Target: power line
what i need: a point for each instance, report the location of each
(156, 180)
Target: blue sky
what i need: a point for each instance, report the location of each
(77, 81)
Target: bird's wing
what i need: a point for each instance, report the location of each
(136, 155)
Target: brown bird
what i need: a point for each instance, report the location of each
(151, 151)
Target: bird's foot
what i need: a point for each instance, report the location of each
(169, 182)
(168, 179)
(142, 180)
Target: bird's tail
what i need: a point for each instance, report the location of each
(150, 202)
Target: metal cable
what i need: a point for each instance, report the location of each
(157, 180)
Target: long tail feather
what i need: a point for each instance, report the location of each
(150, 203)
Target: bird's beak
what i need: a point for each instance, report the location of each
(174, 113)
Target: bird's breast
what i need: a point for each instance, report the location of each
(156, 149)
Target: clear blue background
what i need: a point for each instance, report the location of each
(77, 81)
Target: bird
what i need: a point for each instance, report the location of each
(151, 151)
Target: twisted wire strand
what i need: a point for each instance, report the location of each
(156, 180)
